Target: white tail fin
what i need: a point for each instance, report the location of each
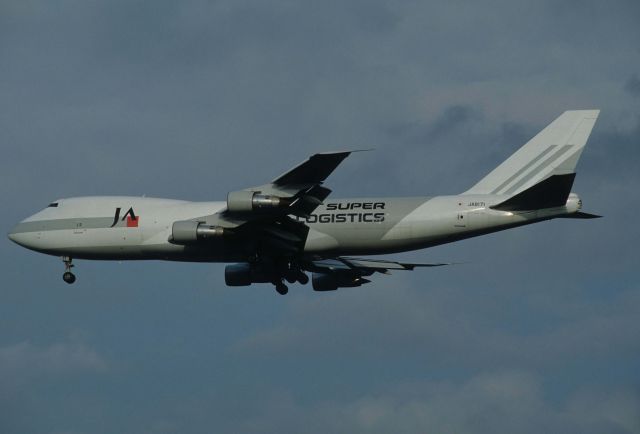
(553, 151)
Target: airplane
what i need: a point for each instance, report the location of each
(282, 230)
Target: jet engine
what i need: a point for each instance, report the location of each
(335, 280)
(249, 201)
(189, 231)
(244, 275)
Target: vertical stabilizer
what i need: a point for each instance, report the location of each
(553, 151)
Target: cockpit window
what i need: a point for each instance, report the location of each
(53, 205)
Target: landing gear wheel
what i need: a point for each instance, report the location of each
(281, 288)
(69, 277)
(303, 278)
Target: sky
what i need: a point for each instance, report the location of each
(536, 331)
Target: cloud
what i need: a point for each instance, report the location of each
(33, 380)
(25, 360)
(450, 119)
(632, 86)
(489, 402)
(437, 325)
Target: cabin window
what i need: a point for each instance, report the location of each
(53, 205)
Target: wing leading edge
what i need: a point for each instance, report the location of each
(313, 171)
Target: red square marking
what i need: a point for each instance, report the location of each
(132, 222)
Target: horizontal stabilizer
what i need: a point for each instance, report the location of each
(581, 215)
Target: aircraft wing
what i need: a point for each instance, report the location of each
(263, 213)
(330, 274)
(367, 265)
(311, 172)
(298, 191)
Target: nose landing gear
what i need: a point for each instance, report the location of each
(68, 276)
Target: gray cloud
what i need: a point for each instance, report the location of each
(29, 373)
(633, 85)
(451, 119)
(434, 325)
(25, 360)
(504, 401)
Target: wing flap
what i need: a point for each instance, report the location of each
(367, 266)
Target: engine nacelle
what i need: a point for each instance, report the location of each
(324, 282)
(335, 280)
(189, 232)
(244, 275)
(250, 201)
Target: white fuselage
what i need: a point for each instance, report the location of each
(100, 228)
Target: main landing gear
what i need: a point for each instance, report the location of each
(68, 276)
(281, 288)
(292, 274)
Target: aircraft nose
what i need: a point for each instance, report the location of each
(20, 237)
(14, 235)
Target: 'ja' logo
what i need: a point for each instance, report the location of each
(130, 216)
